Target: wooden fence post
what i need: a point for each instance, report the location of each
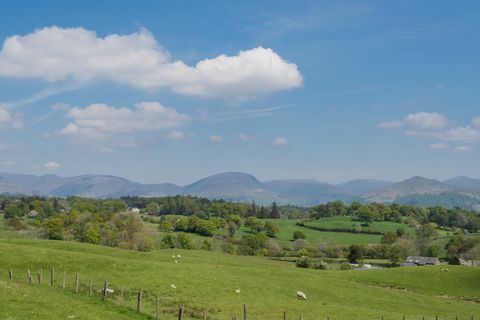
(10, 274)
(90, 288)
(52, 277)
(284, 315)
(104, 292)
(40, 276)
(121, 296)
(244, 311)
(157, 309)
(204, 315)
(29, 277)
(180, 312)
(64, 279)
(139, 301)
(76, 282)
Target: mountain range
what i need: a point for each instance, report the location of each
(236, 186)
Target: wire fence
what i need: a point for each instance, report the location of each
(147, 302)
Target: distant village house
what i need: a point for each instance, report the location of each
(135, 210)
(412, 261)
(32, 214)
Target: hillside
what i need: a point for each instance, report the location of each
(237, 186)
(414, 185)
(208, 280)
(464, 182)
(234, 186)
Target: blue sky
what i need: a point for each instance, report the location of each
(175, 91)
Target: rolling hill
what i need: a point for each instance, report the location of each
(207, 280)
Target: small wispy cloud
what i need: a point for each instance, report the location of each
(244, 137)
(249, 113)
(463, 149)
(176, 135)
(7, 163)
(439, 146)
(215, 138)
(391, 124)
(51, 165)
(41, 95)
(280, 142)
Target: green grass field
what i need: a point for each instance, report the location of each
(208, 280)
(288, 227)
(349, 223)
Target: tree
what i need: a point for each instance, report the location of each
(54, 228)
(153, 208)
(303, 262)
(249, 245)
(271, 229)
(232, 228)
(130, 223)
(253, 209)
(356, 253)
(298, 235)
(254, 224)
(389, 237)
(165, 225)
(426, 230)
(274, 212)
(366, 214)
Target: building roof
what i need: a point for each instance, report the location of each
(33, 213)
(418, 260)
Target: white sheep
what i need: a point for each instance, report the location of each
(237, 290)
(301, 295)
(108, 291)
(173, 286)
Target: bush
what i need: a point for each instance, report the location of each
(146, 244)
(356, 253)
(249, 245)
(345, 266)
(303, 262)
(298, 235)
(273, 249)
(183, 241)
(302, 252)
(271, 229)
(321, 265)
(15, 224)
(206, 245)
(168, 241)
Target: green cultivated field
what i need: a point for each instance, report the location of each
(349, 223)
(207, 281)
(288, 227)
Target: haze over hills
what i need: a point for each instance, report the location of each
(236, 186)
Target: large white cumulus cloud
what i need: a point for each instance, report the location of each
(57, 54)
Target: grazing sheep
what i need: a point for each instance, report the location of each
(173, 286)
(176, 261)
(301, 295)
(237, 290)
(179, 256)
(108, 291)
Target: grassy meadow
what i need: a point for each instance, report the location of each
(288, 227)
(350, 223)
(206, 281)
